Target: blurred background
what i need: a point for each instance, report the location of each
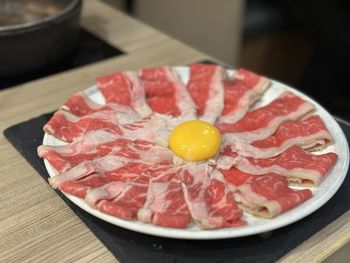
(302, 43)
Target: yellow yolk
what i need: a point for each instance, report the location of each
(195, 140)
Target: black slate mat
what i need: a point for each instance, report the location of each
(128, 246)
(89, 49)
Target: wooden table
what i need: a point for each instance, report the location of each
(35, 224)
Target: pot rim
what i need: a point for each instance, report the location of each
(31, 26)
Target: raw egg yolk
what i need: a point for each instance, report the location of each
(195, 140)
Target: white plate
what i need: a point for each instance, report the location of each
(255, 225)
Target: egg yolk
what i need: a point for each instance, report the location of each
(195, 140)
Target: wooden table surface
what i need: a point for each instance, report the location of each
(35, 223)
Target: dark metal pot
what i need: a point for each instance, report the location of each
(38, 33)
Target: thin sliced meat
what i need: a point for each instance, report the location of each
(310, 134)
(157, 74)
(151, 129)
(298, 166)
(166, 94)
(118, 160)
(98, 144)
(263, 122)
(266, 195)
(124, 88)
(118, 199)
(165, 205)
(81, 186)
(210, 200)
(160, 97)
(235, 177)
(166, 173)
(79, 181)
(241, 92)
(207, 90)
(68, 127)
(87, 147)
(80, 104)
(110, 166)
(134, 171)
(86, 168)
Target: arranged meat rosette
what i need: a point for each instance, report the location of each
(175, 152)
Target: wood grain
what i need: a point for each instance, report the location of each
(35, 224)
(323, 244)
